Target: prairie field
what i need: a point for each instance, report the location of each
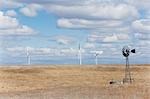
(73, 82)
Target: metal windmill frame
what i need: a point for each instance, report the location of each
(126, 51)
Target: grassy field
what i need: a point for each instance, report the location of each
(73, 82)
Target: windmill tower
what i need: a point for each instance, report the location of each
(80, 54)
(28, 56)
(126, 51)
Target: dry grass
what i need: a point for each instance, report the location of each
(73, 82)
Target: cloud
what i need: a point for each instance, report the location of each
(95, 11)
(21, 30)
(142, 36)
(96, 52)
(31, 10)
(88, 24)
(116, 38)
(70, 51)
(112, 38)
(11, 13)
(103, 26)
(14, 51)
(142, 48)
(109, 38)
(32, 51)
(140, 4)
(7, 4)
(62, 2)
(123, 36)
(7, 21)
(141, 26)
(11, 26)
(89, 45)
(65, 40)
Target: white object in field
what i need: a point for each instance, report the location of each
(28, 56)
(80, 55)
(96, 53)
(96, 59)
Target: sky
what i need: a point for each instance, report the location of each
(53, 29)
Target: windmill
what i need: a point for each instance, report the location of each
(80, 54)
(28, 56)
(126, 51)
(96, 54)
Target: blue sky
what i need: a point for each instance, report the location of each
(53, 29)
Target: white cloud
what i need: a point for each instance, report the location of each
(95, 11)
(9, 4)
(142, 36)
(7, 22)
(88, 24)
(11, 13)
(104, 26)
(31, 10)
(24, 30)
(42, 51)
(123, 36)
(140, 4)
(15, 49)
(141, 26)
(62, 2)
(107, 37)
(96, 52)
(11, 26)
(65, 40)
(69, 51)
(89, 45)
(31, 51)
(142, 48)
(147, 14)
(112, 38)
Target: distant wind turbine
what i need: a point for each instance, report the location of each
(80, 54)
(28, 56)
(96, 53)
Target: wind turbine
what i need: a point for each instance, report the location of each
(80, 54)
(96, 53)
(28, 56)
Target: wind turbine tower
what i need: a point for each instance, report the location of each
(28, 56)
(96, 55)
(80, 54)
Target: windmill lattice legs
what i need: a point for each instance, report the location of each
(127, 72)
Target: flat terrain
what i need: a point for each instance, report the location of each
(73, 82)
